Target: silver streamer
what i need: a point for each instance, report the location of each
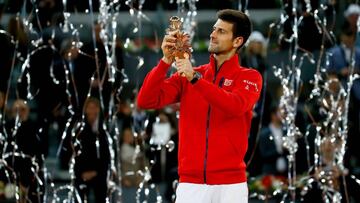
(334, 99)
(244, 7)
(332, 131)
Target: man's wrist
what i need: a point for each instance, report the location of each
(191, 76)
(196, 77)
(166, 60)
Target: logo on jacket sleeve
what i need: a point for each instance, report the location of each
(250, 85)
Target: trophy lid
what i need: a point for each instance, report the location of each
(175, 23)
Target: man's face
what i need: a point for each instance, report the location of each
(255, 47)
(221, 38)
(21, 108)
(353, 19)
(348, 40)
(92, 112)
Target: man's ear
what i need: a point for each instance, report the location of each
(238, 41)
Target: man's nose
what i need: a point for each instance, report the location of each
(212, 34)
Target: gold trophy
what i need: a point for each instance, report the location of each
(182, 47)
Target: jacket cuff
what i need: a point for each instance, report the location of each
(163, 66)
(202, 86)
(199, 84)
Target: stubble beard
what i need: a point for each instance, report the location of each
(213, 49)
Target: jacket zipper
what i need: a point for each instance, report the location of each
(208, 124)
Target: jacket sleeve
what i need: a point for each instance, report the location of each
(157, 90)
(331, 66)
(242, 98)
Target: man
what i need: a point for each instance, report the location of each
(341, 56)
(351, 15)
(92, 164)
(338, 66)
(23, 138)
(271, 146)
(216, 101)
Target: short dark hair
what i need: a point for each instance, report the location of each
(241, 23)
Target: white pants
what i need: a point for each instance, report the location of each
(201, 193)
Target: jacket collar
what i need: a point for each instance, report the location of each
(232, 62)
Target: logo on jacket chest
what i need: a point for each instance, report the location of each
(227, 82)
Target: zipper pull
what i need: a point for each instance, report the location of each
(221, 82)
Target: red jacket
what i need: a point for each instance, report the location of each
(215, 117)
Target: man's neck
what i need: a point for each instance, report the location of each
(221, 58)
(347, 46)
(276, 124)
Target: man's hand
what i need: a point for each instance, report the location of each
(344, 72)
(184, 68)
(168, 43)
(88, 175)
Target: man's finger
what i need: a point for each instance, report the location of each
(179, 63)
(168, 44)
(169, 38)
(182, 74)
(186, 55)
(180, 60)
(180, 68)
(173, 33)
